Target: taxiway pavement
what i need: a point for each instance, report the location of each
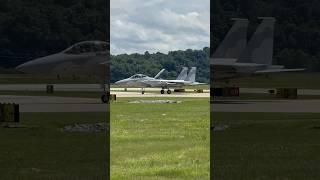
(77, 104)
(55, 104)
(287, 106)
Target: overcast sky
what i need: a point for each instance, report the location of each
(159, 25)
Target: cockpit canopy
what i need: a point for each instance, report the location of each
(138, 76)
(87, 47)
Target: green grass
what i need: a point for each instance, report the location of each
(164, 141)
(243, 96)
(43, 151)
(160, 141)
(266, 146)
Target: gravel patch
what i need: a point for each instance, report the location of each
(220, 128)
(155, 102)
(86, 128)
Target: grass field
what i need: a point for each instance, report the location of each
(266, 146)
(42, 151)
(160, 141)
(164, 141)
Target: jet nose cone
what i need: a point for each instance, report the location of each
(26, 67)
(120, 82)
(42, 65)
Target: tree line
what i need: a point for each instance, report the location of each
(124, 65)
(35, 28)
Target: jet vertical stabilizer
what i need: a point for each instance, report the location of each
(234, 42)
(260, 47)
(183, 74)
(192, 75)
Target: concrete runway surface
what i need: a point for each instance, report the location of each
(72, 87)
(288, 106)
(72, 104)
(67, 104)
(265, 91)
(97, 88)
(58, 87)
(55, 104)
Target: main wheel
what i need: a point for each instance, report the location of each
(162, 91)
(169, 91)
(142, 92)
(105, 98)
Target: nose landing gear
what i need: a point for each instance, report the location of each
(105, 97)
(142, 91)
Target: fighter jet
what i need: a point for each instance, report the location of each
(85, 58)
(236, 58)
(140, 80)
(88, 58)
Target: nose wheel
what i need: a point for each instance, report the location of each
(142, 91)
(105, 98)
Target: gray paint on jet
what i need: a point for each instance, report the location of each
(256, 58)
(235, 41)
(183, 74)
(260, 48)
(140, 80)
(84, 58)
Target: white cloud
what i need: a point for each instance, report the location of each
(159, 25)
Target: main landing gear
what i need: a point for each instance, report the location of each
(168, 91)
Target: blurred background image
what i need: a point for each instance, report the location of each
(264, 89)
(54, 87)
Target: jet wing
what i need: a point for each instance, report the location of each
(278, 71)
(163, 83)
(197, 83)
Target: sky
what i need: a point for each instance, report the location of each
(138, 26)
